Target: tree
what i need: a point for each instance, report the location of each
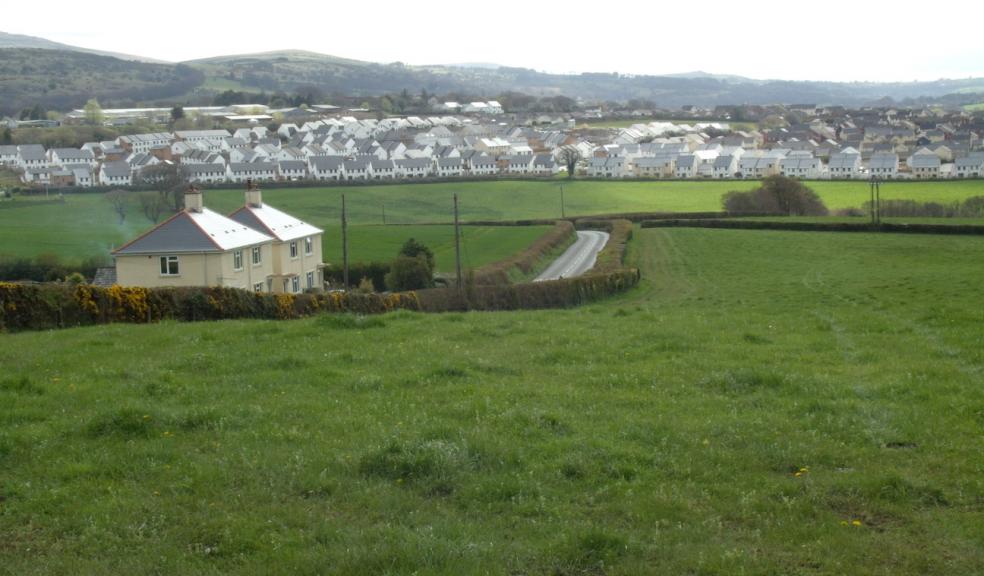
(119, 199)
(93, 113)
(777, 195)
(7, 137)
(168, 180)
(413, 268)
(569, 156)
(151, 205)
(177, 113)
(414, 249)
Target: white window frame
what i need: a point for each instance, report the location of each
(258, 287)
(308, 246)
(293, 249)
(295, 284)
(166, 262)
(237, 260)
(310, 279)
(257, 255)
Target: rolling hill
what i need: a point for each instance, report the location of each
(22, 41)
(56, 76)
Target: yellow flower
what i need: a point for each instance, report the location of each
(843, 522)
(146, 416)
(855, 522)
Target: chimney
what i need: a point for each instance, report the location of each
(193, 199)
(254, 198)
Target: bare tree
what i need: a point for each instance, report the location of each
(570, 156)
(120, 201)
(152, 205)
(168, 180)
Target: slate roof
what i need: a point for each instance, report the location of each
(186, 232)
(105, 277)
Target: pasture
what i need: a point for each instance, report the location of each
(85, 224)
(763, 403)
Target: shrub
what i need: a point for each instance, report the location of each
(410, 273)
(375, 271)
(414, 249)
(777, 195)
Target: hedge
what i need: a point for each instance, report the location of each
(612, 256)
(44, 306)
(961, 229)
(561, 235)
(375, 271)
(565, 293)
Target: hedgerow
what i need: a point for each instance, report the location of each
(44, 306)
(497, 273)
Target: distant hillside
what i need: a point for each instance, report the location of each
(62, 80)
(22, 41)
(292, 70)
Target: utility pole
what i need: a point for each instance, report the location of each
(345, 270)
(457, 244)
(562, 213)
(871, 184)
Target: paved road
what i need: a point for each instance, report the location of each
(578, 259)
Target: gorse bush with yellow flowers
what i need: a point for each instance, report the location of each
(45, 306)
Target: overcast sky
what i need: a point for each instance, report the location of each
(854, 40)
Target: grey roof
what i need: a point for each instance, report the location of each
(723, 161)
(686, 161)
(357, 163)
(799, 162)
(449, 162)
(68, 154)
(8, 150)
(844, 160)
(293, 166)
(118, 169)
(327, 163)
(972, 161)
(924, 161)
(105, 277)
(178, 233)
(884, 161)
(199, 169)
(378, 164)
(243, 167)
(482, 160)
(414, 163)
(31, 151)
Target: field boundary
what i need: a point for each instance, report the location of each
(524, 263)
(734, 224)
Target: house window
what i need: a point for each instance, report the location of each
(310, 279)
(295, 284)
(169, 265)
(237, 260)
(308, 246)
(257, 255)
(293, 248)
(258, 287)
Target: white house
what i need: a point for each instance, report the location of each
(971, 166)
(382, 169)
(448, 167)
(845, 164)
(206, 173)
(413, 167)
(292, 170)
(63, 156)
(924, 164)
(884, 165)
(257, 171)
(803, 166)
(115, 173)
(327, 167)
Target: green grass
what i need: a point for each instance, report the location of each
(85, 224)
(480, 245)
(660, 432)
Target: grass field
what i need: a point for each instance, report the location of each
(480, 245)
(85, 224)
(764, 403)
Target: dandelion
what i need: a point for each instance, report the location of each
(855, 522)
(706, 442)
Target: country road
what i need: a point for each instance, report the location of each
(577, 259)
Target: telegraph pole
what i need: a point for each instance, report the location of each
(457, 244)
(345, 270)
